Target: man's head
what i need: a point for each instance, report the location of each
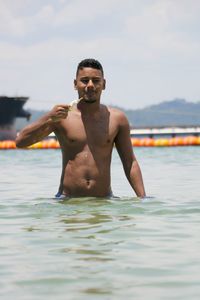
(89, 63)
(90, 80)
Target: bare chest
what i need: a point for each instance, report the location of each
(97, 133)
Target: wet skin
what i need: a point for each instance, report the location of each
(87, 136)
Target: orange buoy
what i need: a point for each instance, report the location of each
(37, 145)
(53, 144)
(176, 141)
(171, 142)
(190, 140)
(161, 142)
(147, 142)
(135, 142)
(7, 144)
(45, 144)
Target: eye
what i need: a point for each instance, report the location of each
(85, 81)
(96, 81)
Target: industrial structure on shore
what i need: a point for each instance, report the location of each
(10, 109)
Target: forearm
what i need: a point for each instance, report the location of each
(35, 132)
(134, 177)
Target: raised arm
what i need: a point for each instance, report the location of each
(41, 128)
(125, 150)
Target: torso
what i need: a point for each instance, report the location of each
(87, 142)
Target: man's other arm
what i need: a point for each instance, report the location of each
(125, 150)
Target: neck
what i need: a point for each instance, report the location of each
(89, 108)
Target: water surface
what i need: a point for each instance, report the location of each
(100, 248)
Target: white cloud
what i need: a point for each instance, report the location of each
(158, 32)
(10, 24)
(154, 50)
(84, 11)
(15, 23)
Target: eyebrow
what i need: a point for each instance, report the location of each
(87, 77)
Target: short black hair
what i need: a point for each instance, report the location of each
(90, 63)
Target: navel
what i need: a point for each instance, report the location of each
(88, 181)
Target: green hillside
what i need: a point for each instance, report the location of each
(177, 112)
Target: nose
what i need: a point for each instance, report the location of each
(90, 84)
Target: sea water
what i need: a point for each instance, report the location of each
(119, 248)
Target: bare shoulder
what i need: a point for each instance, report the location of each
(118, 115)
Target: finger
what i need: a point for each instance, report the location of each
(60, 109)
(64, 106)
(63, 113)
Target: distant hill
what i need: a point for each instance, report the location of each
(177, 112)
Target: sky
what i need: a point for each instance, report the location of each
(149, 49)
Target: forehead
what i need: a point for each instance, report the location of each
(89, 72)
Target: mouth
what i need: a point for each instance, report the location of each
(89, 96)
(89, 101)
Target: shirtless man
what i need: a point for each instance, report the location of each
(87, 136)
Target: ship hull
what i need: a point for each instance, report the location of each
(10, 109)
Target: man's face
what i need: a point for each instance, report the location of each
(89, 83)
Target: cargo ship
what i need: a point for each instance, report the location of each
(10, 109)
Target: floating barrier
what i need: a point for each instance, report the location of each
(7, 145)
(136, 142)
(45, 144)
(166, 142)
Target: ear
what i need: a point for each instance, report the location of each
(104, 84)
(75, 84)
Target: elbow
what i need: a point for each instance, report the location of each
(19, 143)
